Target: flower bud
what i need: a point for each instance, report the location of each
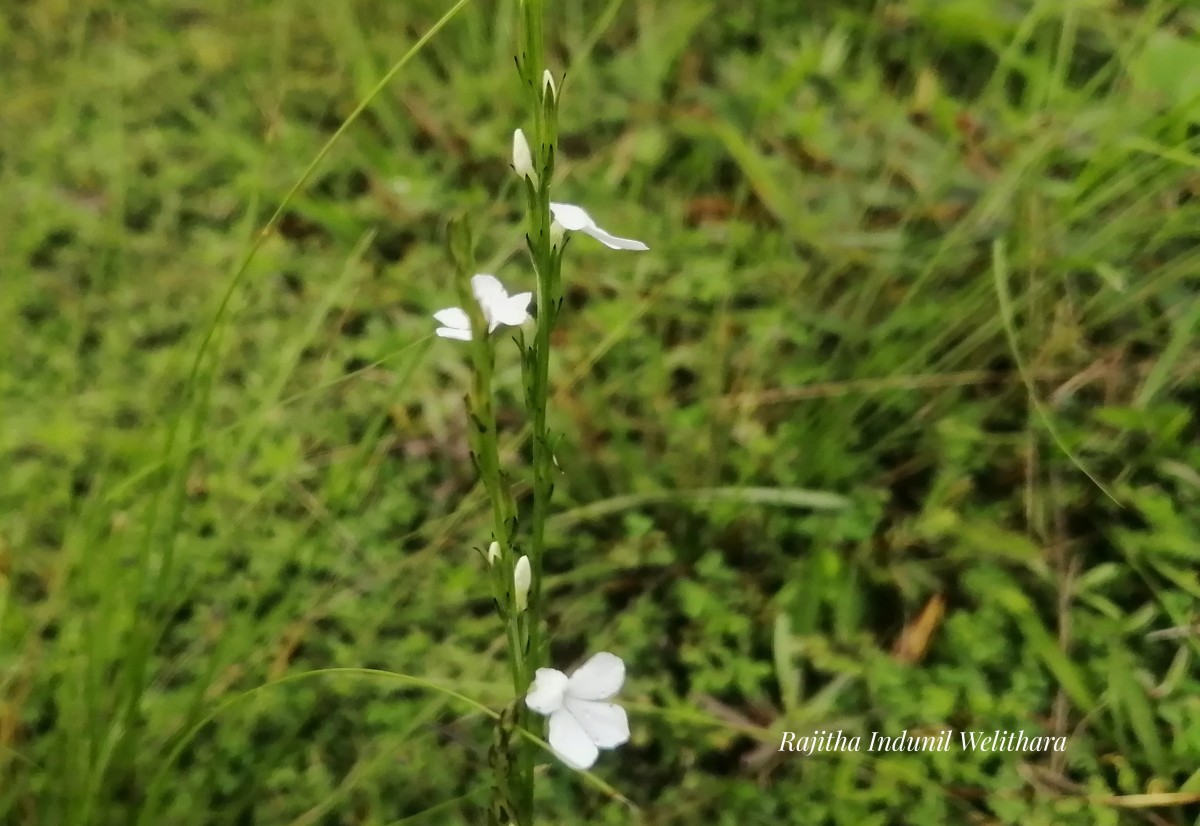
(493, 553)
(522, 160)
(521, 580)
(548, 87)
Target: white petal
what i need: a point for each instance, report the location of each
(606, 724)
(545, 696)
(514, 310)
(570, 741)
(487, 288)
(571, 216)
(454, 317)
(454, 332)
(599, 678)
(612, 241)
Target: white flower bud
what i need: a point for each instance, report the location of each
(522, 577)
(548, 86)
(493, 553)
(522, 160)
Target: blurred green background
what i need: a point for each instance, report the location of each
(937, 257)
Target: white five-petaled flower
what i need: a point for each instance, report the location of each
(497, 305)
(522, 578)
(575, 219)
(581, 721)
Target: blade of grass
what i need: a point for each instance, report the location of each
(135, 683)
(1000, 275)
(154, 788)
(776, 497)
(1182, 336)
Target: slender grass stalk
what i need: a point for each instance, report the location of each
(123, 739)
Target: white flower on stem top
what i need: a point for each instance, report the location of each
(575, 219)
(581, 721)
(497, 305)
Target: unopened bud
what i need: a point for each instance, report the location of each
(548, 87)
(522, 577)
(493, 553)
(522, 160)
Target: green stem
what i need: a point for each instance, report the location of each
(547, 301)
(542, 460)
(488, 453)
(533, 66)
(485, 446)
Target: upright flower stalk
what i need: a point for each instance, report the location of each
(473, 292)
(543, 104)
(581, 720)
(485, 305)
(546, 258)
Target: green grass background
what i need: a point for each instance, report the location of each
(935, 260)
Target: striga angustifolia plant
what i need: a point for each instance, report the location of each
(581, 720)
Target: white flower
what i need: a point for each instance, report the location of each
(497, 305)
(522, 159)
(522, 578)
(493, 552)
(581, 722)
(574, 218)
(548, 85)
